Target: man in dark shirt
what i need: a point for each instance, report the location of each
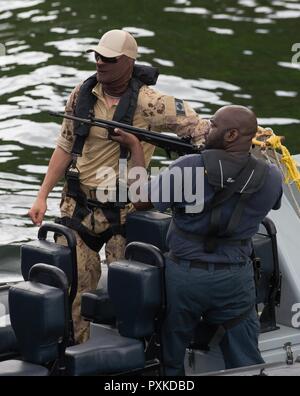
(209, 273)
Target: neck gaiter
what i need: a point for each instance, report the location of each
(115, 77)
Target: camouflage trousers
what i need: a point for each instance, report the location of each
(88, 261)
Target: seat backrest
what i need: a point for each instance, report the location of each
(145, 253)
(44, 251)
(148, 227)
(136, 290)
(265, 248)
(39, 313)
(269, 284)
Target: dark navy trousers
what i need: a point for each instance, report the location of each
(218, 296)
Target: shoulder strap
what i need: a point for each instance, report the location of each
(126, 108)
(241, 181)
(128, 103)
(219, 198)
(254, 170)
(84, 109)
(261, 170)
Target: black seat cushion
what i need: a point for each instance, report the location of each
(37, 315)
(97, 307)
(149, 227)
(48, 253)
(264, 251)
(8, 341)
(137, 308)
(104, 354)
(17, 368)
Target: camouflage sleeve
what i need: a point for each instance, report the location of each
(66, 137)
(166, 113)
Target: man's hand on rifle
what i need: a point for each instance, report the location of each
(133, 144)
(125, 139)
(137, 160)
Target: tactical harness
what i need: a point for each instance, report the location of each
(142, 75)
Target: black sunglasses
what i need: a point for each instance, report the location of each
(99, 57)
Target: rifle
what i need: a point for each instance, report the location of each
(168, 143)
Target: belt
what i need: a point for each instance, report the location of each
(93, 201)
(205, 265)
(101, 205)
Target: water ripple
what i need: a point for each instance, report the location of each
(6, 5)
(138, 32)
(220, 31)
(6, 15)
(188, 10)
(288, 65)
(286, 94)
(52, 74)
(285, 14)
(197, 91)
(164, 62)
(29, 133)
(278, 121)
(43, 18)
(73, 45)
(38, 169)
(25, 58)
(28, 14)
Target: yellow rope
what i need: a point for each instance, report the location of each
(291, 173)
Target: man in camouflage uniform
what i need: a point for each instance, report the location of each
(115, 56)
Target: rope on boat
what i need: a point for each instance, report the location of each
(274, 142)
(286, 163)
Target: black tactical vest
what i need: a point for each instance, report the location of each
(142, 75)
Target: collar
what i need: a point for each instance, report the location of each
(223, 167)
(99, 93)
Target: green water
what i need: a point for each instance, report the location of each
(209, 52)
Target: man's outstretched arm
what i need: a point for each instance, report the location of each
(57, 166)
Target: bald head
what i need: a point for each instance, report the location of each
(238, 117)
(232, 129)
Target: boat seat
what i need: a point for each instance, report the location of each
(148, 227)
(97, 307)
(17, 368)
(57, 255)
(43, 251)
(39, 317)
(135, 292)
(8, 340)
(107, 353)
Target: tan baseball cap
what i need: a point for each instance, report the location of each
(115, 43)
